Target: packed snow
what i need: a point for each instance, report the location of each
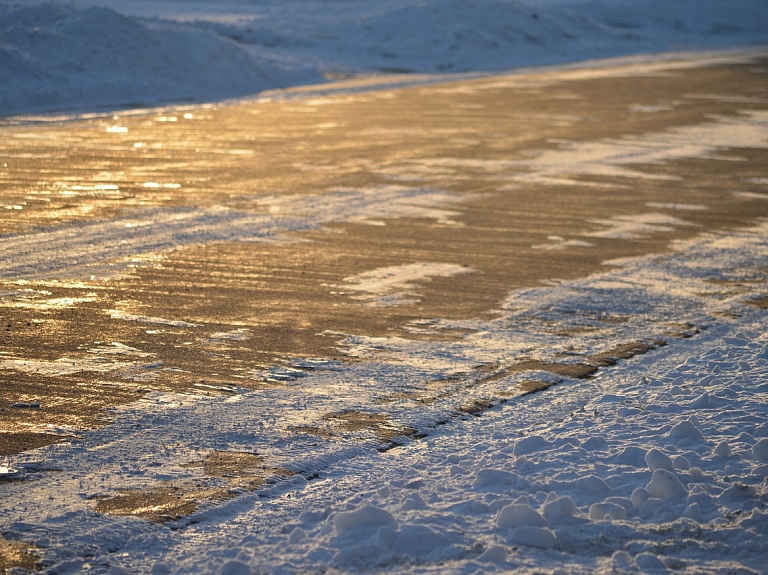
(86, 54)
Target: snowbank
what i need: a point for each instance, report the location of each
(95, 53)
(55, 57)
(454, 35)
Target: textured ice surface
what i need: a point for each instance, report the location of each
(619, 472)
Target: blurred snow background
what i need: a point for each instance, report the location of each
(85, 54)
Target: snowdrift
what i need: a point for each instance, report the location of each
(55, 57)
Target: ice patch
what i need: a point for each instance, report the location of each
(397, 285)
(588, 163)
(750, 195)
(676, 206)
(29, 298)
(649, 109)
(559, 243)
(636, 226)
(64, 366)
(611, 157)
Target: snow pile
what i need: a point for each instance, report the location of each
(95, 53)
(56, 56)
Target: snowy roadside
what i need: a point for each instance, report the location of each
(96, 54)
(56, 57)
(658, 464)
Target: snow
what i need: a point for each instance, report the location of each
(8, 472)
(533, 513)
(365, 517)
(58, 57)
(86, 54)
(665, 485)
(519, 515)
(760, 450)
(656, 459)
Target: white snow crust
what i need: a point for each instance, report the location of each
(85, 54)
